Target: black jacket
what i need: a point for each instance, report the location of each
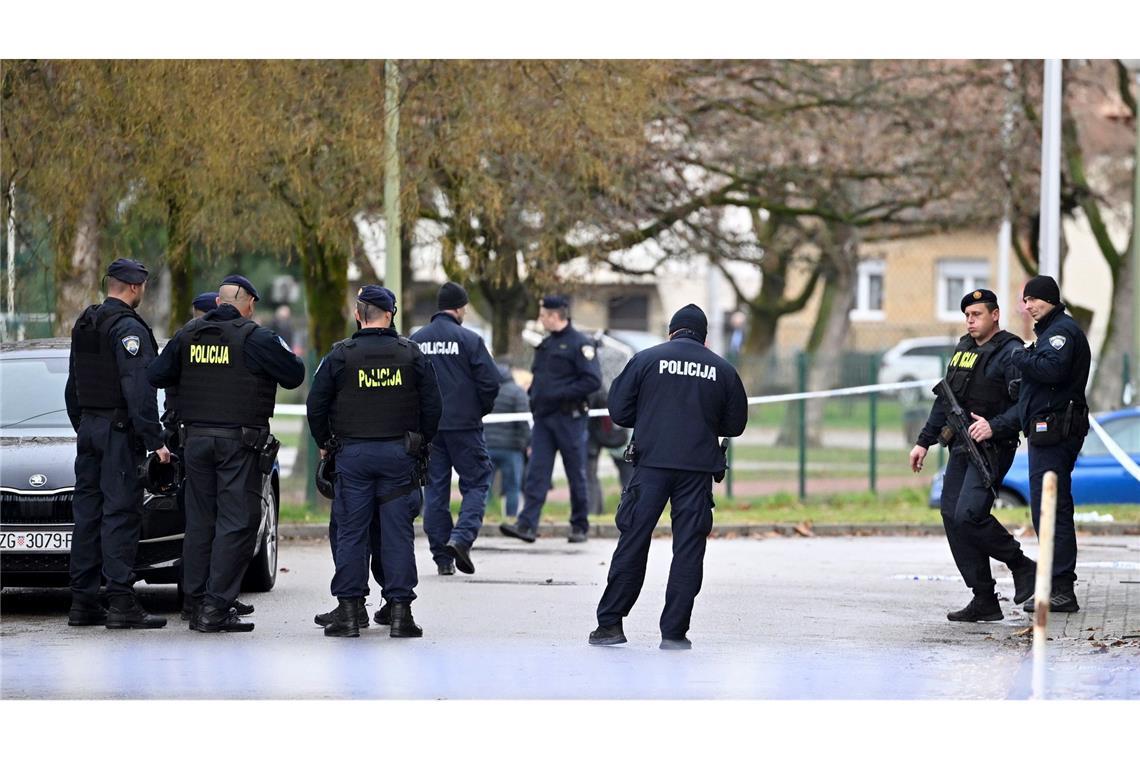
(565, 371)
(1005, 426)
(679, 398)
(142, 403)
(1054, 370)
(512, 436)
(330, 378)
(264, 354)
(468, 380)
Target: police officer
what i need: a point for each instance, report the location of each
(204, 302)
(369, 393)
(565, 373)
(982, 378)
(115, 413)
(1055, 417)
(678, 397)
(227, 369)
(468, 383)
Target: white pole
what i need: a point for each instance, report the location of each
(1049, 242)
(1044, 588)
(393, 260)
(715, 313)
(1004, 242)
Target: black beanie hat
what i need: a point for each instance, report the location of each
(690, 317)
(1043, 287)
(451, 296)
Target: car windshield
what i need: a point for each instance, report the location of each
(31, 392)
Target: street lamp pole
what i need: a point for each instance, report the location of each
(392, 257)
(1049, 240)
(1133, 65)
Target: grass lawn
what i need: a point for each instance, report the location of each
(845, 412)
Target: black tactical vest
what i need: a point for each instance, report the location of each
(96, 370)
(216, 387)
(379, 398)
(966, 375)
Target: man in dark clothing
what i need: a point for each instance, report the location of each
(507, 442)
(1054, 415)
(565, 372)
(115, 414)
(227, 369)
(468, 383)
(679, 398)
(981, 376)
(375, 396)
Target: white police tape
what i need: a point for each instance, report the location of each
(1113, 447)
(1125, 461)
(298, 410)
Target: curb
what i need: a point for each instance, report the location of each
(311, 531)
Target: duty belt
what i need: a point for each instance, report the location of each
(194, 431)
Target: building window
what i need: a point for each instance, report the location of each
(956, 279)
(869, 291)
(628, 313)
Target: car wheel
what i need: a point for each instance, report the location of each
(262, 572)
(1007, 499)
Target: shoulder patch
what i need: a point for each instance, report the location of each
(589, 352)
(1057, 342)
(131, 344)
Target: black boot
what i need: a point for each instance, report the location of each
(383, 615)
(241, 610)
(403, 626)
(984, 607)
(126, 612)
(212, 619)
(514, 531)
(1024, 580)
(346, 616)
(462, 556)
(607, 635)
(325, 618)
(1064, 600)
(86, 610)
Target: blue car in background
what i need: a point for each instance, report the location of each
(1097, 477)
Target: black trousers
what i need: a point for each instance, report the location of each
(974, 533)
(107, 507)
(1061, 460)
(691, 512)
(223, 510)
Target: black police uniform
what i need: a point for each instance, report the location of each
(565, 372)
(368, 392)
(114, 412)
(1054, 416)
(227, 369)
(678, 397)
(468, 383)
(981, 378)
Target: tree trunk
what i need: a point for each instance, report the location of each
(181, 264)
(828, 336)
(326, 288)
(1109, 382)
(77, 272)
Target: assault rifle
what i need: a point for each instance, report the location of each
(959, 421)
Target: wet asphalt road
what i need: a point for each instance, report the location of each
(779, 618)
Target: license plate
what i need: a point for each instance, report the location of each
(51, 541)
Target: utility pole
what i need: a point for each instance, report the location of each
(1133, 65)
(1049, 241)
(392, 257)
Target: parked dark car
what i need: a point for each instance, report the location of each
(1097, 477)
(37, 484)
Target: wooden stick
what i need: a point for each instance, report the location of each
(1044, 588)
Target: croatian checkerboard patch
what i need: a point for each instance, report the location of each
(131, 343)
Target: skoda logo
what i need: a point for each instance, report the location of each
(37, 480)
